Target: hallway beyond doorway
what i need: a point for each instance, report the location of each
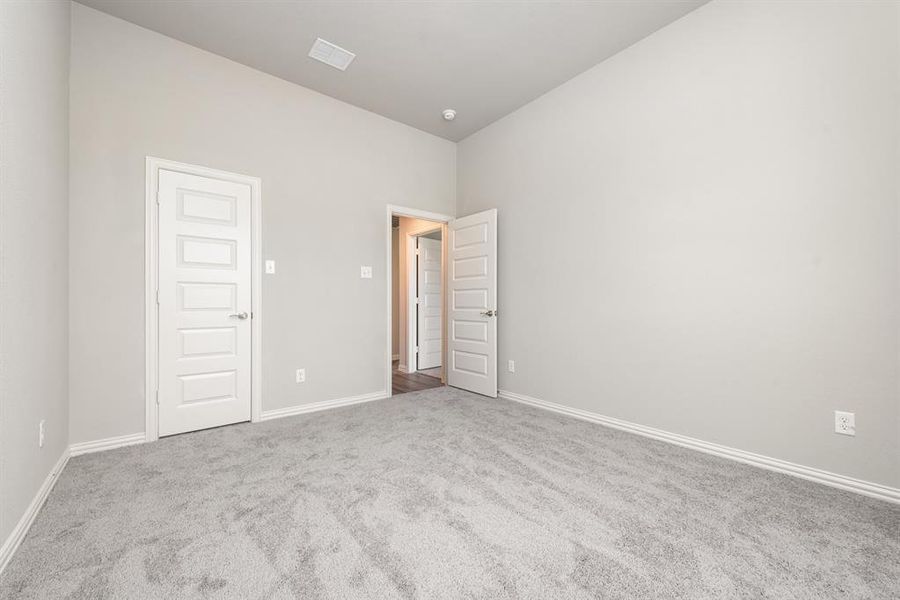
(402, 383)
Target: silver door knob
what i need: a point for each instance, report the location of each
(489, 313)
(242, 315)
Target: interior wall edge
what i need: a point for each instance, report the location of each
(302, 409)
(107, 444)
(11, 544)
(34, 321)
(827, 478)
(122, 100)
(714, 255)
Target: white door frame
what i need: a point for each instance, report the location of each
(412, 274)
(151, 278)
(403, 211)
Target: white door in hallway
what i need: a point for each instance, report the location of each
(204, 302)
(429, 306)
(472, 319)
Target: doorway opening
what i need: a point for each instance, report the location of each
(468, 301)
(417, 303)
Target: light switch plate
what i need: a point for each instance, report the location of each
(365, 272)
(270, 267)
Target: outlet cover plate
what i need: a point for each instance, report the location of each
(844, 422)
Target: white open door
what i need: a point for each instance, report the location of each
(204, 302)
(428, 292)
(472, 319)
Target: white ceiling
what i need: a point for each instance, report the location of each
(413, 59)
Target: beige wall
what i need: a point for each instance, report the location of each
(34, 79)
(701, 233)
(136, 93)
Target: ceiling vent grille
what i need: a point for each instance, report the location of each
(331, 54)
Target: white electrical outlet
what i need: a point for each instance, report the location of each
(511, 366)
(41, 434)
(301, 375)
(270, 267)
(844, 423)
(365, 272)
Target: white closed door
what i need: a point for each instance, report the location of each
(204, 302)
(429, 305)
(472, 319)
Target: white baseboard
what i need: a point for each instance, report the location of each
(107, 444)
(395, 357)
(404, 368)
(866, 488)
(324, 405)
(18, 533)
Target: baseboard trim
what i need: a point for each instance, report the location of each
(866, 488)
(395, 357)
(18, 533)
(324, 405)
(107, 444)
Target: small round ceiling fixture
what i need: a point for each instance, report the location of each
(449, 114)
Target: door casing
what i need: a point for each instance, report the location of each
(151, 280)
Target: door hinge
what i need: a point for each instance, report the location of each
(157, 296)
(157, 397)
(417, 349)
(418, 301)
(417, 251)
(157, 196)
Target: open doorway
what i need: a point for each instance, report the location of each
(468, 301)
(417, 304)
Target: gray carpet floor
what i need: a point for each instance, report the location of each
(443, 494)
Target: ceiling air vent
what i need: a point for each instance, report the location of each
(330, 54)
